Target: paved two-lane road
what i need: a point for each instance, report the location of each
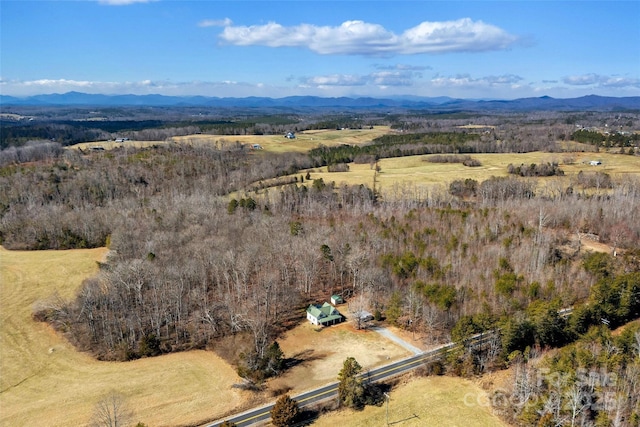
(329, 391)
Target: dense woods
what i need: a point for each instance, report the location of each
(195, 257)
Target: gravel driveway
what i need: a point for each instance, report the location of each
(393, 337)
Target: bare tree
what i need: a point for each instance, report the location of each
(111, 411)
(578, 401)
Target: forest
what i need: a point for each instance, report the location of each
(196, 256)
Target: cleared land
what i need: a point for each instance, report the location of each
(416, 171)
(303, 142)
(432, 401)
(321, 353)
(44, 378)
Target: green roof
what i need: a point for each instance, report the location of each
(324, 313)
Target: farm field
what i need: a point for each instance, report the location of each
(44, 378)
(431, 401)
(303, 142)
(417, 172)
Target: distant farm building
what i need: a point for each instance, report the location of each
(323, 314)
(290, 135)
(121, 139)
(336, 299)
(595, 162)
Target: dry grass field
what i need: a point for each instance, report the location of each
(110, 145)
(431, 401)
(45, 381)
(323, 351)
(303, 142)
(416, 171)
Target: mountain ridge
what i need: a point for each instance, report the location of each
(588, 102)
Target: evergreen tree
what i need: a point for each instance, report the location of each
(351, 391)
(284, 412)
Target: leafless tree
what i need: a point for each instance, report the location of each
(577, 401)
(111, 411)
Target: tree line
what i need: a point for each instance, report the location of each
(185, 270)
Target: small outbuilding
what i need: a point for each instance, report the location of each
(595, 162)
(336, 299)
(323, 314)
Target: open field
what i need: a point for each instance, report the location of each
(44, 378)
(110, 145)
(418, 172)
(323, 351)
(431, 401)
(303, 142)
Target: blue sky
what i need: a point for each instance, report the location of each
(465, 49)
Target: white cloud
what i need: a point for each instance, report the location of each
(406, 67)
(362, 38)
(466, 81)
(336, 80)
(122, 2)
(215, 23)
(598, 80)
(384, 78)
(581, 80)
(21, 88)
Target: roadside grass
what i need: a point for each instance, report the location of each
(431, 401)
(45, 381)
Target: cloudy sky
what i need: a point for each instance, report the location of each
(474, 49)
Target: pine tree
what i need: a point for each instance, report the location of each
(284, 412)
(351, 391)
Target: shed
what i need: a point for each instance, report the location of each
(336, 299)
(323, 314)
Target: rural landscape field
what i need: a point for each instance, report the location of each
(163, 276)
(309, 213)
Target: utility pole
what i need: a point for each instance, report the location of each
(388, 399)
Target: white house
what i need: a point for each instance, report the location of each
(595, 162)
(323, 315)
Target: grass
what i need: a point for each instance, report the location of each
(431, 401)
(321, 353)
(44, 378)
(418, 172)
(303, 142)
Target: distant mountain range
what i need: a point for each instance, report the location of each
(545, 103)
